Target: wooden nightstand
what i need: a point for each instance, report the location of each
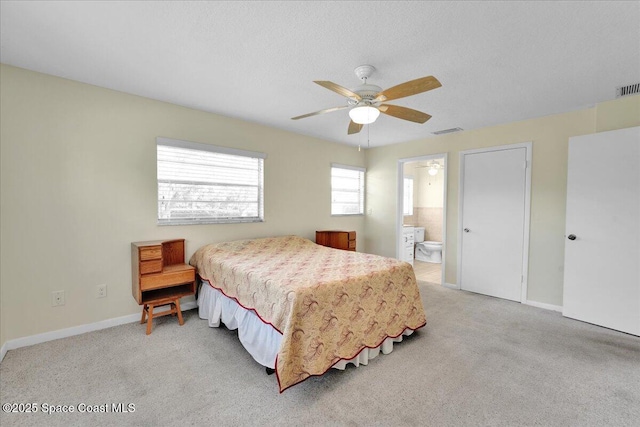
(160, 277)
(337, 239)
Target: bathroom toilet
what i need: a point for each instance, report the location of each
(427, 251)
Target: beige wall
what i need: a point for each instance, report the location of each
(430, 194)
(618, 114)
(78, 181)
(548, 191)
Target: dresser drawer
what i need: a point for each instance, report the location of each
(156, 281)
(152, 266)
(150, 252)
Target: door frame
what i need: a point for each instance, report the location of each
(400, 201)
(527, 210)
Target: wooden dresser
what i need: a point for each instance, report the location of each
(160, 277)
(337, 239)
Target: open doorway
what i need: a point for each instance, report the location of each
(421, 224)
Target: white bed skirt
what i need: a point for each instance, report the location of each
(260, 339)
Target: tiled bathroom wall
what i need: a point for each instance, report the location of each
(431, 220)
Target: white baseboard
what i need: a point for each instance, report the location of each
(76, 330)
(544, 305)
(3, 350)
(527, 302)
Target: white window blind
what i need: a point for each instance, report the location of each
(407, 205)
(347, 190)
(204, 184)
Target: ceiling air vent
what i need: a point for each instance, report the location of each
(442, 132)
(627, 90)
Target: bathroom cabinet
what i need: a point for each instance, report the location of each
(407, 244)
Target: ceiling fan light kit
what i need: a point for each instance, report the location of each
(364, 115)
(366, 100)
(433, 168)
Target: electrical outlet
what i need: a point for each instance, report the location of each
(101, 291)
(57, 298)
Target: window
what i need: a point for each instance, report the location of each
(407, 205)
(205, 184)
(347, 190)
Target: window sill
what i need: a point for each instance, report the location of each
(210, 221)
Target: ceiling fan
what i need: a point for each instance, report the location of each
(433, 166)
(366, 101)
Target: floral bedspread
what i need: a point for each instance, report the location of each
(328, 304)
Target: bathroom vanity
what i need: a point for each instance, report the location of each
(407, 242)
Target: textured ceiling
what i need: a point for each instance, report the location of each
(498, 62)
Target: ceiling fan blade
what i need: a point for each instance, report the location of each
(354, 128)
(326, 110)
(404, 113)
(338, 89)
(409, 88)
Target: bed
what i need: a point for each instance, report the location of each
(302, 308)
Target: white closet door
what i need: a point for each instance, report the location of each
(602, 250)
(494, 189)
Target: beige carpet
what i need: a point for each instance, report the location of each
(479, 361)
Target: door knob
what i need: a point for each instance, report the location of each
(466, 230)
(571, 237)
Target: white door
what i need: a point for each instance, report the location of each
(602, 250)
(494, 201)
